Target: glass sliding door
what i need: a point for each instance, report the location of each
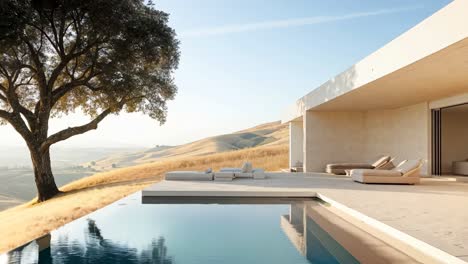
(436, 142)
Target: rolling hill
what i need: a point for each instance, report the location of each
(30, 220)
(269, 134)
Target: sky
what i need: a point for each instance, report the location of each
(243, 62)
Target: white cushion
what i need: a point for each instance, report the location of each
(223, 179)
(371, 172)
(380, 162)
(224, 175)
(188, 176)
(258, 173)
(247, 167)
(387, 166)
(230, 170)
(243, 174)
(407, 166)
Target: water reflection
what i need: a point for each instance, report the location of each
(95, 249)
(310, 239)
(236, 232)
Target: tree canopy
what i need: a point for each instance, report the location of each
(99, 56)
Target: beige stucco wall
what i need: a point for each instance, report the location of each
(333, 137)
(402, 133)
(296, 143)
(454, 138)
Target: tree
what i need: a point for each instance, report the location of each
(98, 56)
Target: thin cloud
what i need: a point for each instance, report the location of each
(295, 22)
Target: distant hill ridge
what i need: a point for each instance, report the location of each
(273, 133)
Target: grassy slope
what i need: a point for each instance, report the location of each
(29, 221)
(273, 133)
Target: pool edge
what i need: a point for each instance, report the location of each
(413, 247)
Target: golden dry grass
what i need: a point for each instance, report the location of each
(31, 220)
(273, 133)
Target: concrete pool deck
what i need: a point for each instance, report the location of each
(434, 211)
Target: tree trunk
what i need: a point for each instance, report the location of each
(45, 183)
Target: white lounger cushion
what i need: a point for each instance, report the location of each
(381, 162)
(255, 174)
(386, 179)
(258, 174)
(223, 176)
(243, 174)
(380, 173)
(188, 176)
(406, 172)
(246, 167)
(407, 166)
(230, 170)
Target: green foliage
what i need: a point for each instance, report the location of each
(93, 55)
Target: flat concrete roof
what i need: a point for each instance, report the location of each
(433, 212)
(427, 62)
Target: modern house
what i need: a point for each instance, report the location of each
(409, 99)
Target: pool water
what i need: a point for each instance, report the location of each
(129, 231)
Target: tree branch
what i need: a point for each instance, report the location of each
(64, 62)
(43, 33)
(17, 107)
(73, 131)
(37, 62)
(5, 115)
(18, 124)
(68, 87)
(3, 89)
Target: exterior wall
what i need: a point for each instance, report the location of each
(402, 133)
(296, 143)
(454, 139)
(332, 137)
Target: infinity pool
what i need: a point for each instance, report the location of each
(128, 231)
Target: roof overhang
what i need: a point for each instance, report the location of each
(428, 62)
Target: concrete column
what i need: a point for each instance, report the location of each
(296, 142)
(306, 131)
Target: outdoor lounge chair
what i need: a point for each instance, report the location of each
(190, 175)
(224, 176)
(246, 171)
(460, 167)
(341, 168)
(407, 172)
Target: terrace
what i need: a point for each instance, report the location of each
(433, 212)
